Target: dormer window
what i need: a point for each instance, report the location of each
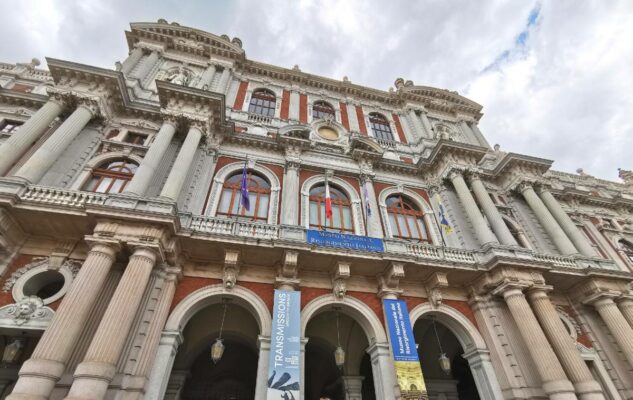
(322, 110)
(135, 138)
(380, 126)
(263, 102)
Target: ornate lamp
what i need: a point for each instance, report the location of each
(339, 353)
(12, 351)
(217, 349)
(445, 362)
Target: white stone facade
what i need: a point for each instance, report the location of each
(113, 279)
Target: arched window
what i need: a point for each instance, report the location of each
(111, 177)
(341, 220)
(322, 110)
(258, 193)
(262, 103)
(380, 126)
(627, 248)
(406, 219)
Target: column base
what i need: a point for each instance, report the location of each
(92, 379)
(37, 378)
(589, 390)
(560, 390)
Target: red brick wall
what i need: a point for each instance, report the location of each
(401, 135)
(344, 117)
(583, 337)
(464, 308)
(241, 94)
(17, 263)
(303, 108)
(361, 120)
(285, 105)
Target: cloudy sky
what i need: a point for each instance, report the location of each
(555, 77)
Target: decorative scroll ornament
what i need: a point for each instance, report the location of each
(26, 309)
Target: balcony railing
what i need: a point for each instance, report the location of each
(261, 119)
(226, 226)
(62, 197)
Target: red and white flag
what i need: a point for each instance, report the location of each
(328, 201)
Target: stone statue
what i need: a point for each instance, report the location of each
(626, 176)
(179, 77)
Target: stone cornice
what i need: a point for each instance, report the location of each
(511, 160)
(20, 99)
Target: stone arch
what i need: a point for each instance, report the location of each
(522, 238)
(357, 220)
(99, 159)
(349, 306)
(213, 294)
(429, 217)
(475, 350)
(216, 189)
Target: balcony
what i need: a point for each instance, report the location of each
(19, 195)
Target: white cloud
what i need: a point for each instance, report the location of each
(563, 93)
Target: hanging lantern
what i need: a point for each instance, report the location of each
(12, 351)
(445, 364)
(217, 350)
(339, 356)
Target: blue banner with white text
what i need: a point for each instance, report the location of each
(343, 241)
(284, 374)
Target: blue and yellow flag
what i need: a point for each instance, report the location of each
(442, 216)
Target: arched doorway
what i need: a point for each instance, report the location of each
(471, 374)
(366, 368)
(184, 368)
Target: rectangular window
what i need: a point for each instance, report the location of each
(20, 87)
(135, 138)
(9, 126)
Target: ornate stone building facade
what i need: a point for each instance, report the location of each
(125, 252)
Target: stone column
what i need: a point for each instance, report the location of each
(131, 61)
(483, 232)
(41, 161)
(626, 307)
(492, 213)
(48, 362)
(20, 141)
(163, 363)
(382, 367)
(353, 387)
(224, 80)
(146, 356)
(580, 242)
(555, 383)
(561, 241)
(617, 324)
(154, 156)
(564, 347)
(470, 135)
(183, 162)
(95, 372)
(374, 227)
(207, 77)
(426, 123)
(417, 125)
(261, 384)
(147, 65)
(290, 194)
(480, 137)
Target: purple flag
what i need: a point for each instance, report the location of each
(244, 199)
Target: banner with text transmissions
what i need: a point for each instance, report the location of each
(284, 374)
(404, 349)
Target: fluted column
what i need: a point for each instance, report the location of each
(626, 307)
(492, 213)
(48, 362)
(585, 385)
(41, 161)
(207, 77)
(549, 369)
(181, 166)
(374, 227)
(147, 354)
(224, 80)
(484, 234)
(417, 124)
(20, 141)
(147, 65)
(468, 132)
(154, 156)
(290, 194)
(131, 61)
(426, 124)
(569, 227)
(95, 372)
(561, 241)
(617, 324)
(352, 387)
(480, 137)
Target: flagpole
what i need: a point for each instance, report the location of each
(437, 223)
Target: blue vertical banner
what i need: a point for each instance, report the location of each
(284, 367)
(404, 349)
